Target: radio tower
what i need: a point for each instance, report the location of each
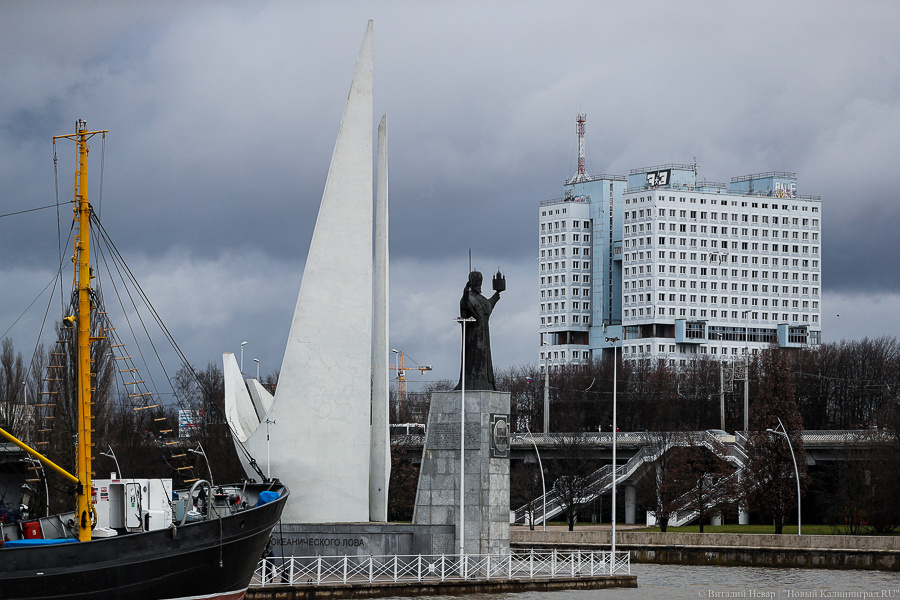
(581, 175)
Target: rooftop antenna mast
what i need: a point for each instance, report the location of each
(581, 175)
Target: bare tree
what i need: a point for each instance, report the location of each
(653, 490)
(570, 470)
(769, 483)
(864, 491)
(204, 392)
(14, 414)
(526, 405)
(697, 480)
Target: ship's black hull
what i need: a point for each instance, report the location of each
(203, 559)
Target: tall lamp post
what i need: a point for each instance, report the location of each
(547, 389)
(112, 455)
(199, 450)
(612, 561)
(721, 381)
(462, 441)
(796, 470)
(268, 455)
(746, 374)
(543, 485)
(242, 356)
(256, 360)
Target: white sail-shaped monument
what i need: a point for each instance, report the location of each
(320, 442)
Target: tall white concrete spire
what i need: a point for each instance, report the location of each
(380, 459)
(320, 442)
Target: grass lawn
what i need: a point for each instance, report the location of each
(734, 528)
(788, 529)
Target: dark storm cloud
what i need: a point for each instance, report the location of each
(863, 252)
(223, 115)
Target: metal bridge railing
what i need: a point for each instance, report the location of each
(640, 438)
(324, 570)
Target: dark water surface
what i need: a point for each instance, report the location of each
(680, 582)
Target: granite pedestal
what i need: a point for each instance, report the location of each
(486, 469)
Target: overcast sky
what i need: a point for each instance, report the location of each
(223, 115)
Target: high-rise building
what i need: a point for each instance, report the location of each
(710, 270)
(676, 268)
(580, 267)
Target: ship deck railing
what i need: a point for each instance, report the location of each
(518, 564)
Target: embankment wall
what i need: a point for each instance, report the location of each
(442, 588)
(730, 549)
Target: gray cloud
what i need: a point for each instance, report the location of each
(222, 119)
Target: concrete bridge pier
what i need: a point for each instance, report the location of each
(743, 515)
(630, 504)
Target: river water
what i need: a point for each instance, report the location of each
(681, 582)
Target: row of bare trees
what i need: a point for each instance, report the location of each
(38, 404)
(850, 385)
(847, 385)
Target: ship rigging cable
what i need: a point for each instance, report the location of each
(29, 210)
(115, 266)
(128, 277)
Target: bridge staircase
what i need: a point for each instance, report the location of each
(600, 481)
(736, 455)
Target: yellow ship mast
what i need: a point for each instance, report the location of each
(84, 510)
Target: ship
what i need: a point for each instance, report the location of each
(130, 538)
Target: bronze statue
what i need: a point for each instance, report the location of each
(477, 368)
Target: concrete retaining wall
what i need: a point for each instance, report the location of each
(409, 589)
(729, 549)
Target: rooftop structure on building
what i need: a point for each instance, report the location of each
(580, 264)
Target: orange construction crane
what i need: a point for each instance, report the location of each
(401, 375)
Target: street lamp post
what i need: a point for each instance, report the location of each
(547, 389)
(543, 484)
(746, 375)
(199, 450)
(462, 441)
(796, 470)
(612, 561)
(242, 356)
(268, 455)
(721, 382)
(112, 455)
(747, 393)
(256, 360)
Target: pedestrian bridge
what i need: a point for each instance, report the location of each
(636, 451)
(819, 445)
